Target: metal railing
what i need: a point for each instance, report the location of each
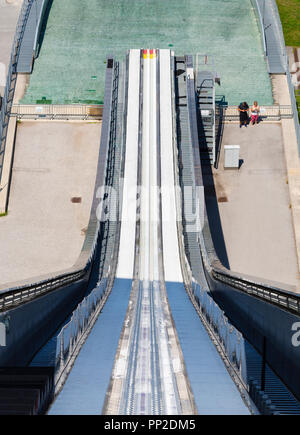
(294, 105)
(13, 297)
(282, 298)
(57, 111)
(272, 113)
(277, 22)
(288, 74)
(75, 330)
(260, 20)
(11, 78)
(229, 338)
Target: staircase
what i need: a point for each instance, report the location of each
(206, 116)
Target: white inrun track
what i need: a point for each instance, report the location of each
(148, 363)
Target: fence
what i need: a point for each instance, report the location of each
(281, 298)
(57, 111)
(72, 333)
(229, 338)
(11, 78)
(271, 113)
(15, 296)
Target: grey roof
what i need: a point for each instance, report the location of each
(29, 42)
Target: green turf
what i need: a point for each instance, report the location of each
(80, 34)
(289, 11)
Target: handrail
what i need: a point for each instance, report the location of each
(11, 78)
(278, 24)
(261, 21)
(57, 111)
(276, 296)
(273, 112)
(11, 298)
(287, 67)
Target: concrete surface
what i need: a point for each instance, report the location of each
(9, 13)
(291, 152)
(252, 220)
(44, 231)
(7, 162)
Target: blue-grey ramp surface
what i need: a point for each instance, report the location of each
(85, 389)
(214, 391)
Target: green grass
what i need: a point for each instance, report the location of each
(289, 11)
(3, 214)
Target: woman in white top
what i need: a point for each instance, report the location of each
(255, 109)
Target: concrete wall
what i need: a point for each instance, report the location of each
(31, 324)
(257, 319)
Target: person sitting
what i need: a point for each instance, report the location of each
(255, 109)
(243, 109)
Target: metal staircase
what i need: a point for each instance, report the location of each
(206, 116)
(186, 176)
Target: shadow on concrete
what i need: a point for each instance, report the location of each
(211, 199)
(221, 105)
(44, 26)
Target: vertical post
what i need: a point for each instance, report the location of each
(61, 350)
(263, 365)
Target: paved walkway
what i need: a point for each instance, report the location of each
(44, 230)
(254, 207)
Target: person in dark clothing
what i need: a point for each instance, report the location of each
(243, 109)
